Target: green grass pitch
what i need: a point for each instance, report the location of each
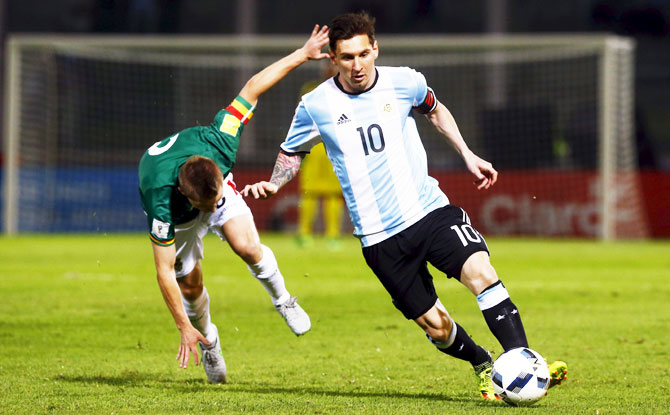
(83, 329)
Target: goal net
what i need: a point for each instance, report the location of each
(554, 114)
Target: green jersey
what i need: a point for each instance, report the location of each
(159, 167)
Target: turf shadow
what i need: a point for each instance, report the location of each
(136, 379)
(313, 390)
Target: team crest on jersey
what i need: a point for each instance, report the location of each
(343, 120)
(388, 108)
(160, 229)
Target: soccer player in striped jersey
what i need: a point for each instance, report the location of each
(187, 189)
(364, 118)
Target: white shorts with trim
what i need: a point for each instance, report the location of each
(188, 236)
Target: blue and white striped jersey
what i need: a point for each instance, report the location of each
(373, 143)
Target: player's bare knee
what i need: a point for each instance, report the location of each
(486, 275)
(436, 324)
(191, 285)
(440, 334)
(478, 273)
(250, 251)
(191, 292)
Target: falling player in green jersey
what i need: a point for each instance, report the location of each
(187, 189)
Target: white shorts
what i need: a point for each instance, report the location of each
(188, 236)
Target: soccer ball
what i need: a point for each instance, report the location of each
(520, 376)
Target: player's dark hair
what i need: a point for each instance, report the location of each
(346, 26)
(199, 178)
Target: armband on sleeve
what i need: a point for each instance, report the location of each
(241, 109)
(428, 104)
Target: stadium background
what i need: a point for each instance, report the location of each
(76, 190)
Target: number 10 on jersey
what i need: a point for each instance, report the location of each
(368, 140)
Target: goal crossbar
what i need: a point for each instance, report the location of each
(614, 77)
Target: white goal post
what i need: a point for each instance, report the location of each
(554, 113)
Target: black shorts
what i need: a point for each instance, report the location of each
(444, 238)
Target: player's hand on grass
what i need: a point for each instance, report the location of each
(260, 190)
(189, 345)
(316, 41)
(485, 175)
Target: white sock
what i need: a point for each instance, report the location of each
(198, 313)
(267, 273)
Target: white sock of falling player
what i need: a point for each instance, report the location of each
(198, 313)
(267, 273)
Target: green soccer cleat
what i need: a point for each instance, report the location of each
(483, 373)
(558, 371)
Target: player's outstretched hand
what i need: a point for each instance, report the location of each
(485, 175)
(318, 39)
(260, 190)
(189, 345)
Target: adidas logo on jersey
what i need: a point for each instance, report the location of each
(343, 120)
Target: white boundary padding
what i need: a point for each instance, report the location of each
(607, 128)
(607, 123)
(12, 119)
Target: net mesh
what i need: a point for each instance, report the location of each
(88, 112)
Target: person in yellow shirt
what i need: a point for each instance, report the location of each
(318, 182)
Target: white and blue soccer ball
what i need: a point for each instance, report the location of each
(520, 376)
